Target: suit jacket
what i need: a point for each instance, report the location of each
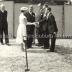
(3, 18)
(43, 23)
(30, 17)
(51, 24)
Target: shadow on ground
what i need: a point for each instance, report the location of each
(63, 50)
(59, 49)
(66, 52)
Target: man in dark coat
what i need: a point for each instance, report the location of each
(51, 28)
(39, 29)
(42, 24)
(43, 31)
(3, 25)
(30, 28)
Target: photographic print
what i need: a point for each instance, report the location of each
(35, 35)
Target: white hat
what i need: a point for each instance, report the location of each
(23, 8)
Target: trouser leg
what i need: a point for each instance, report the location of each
(46, 43)
(30, 34)
(45, 40)
(29, 42)
(40, 39)
(6, 34)
(1, 35)
(53, 40)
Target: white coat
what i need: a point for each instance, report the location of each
(21, 31)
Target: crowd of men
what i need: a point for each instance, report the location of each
(46, 28)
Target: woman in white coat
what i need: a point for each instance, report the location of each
(21, 31)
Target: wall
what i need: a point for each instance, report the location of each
(68, 20)
(57, 10)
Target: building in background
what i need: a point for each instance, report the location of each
(58, 2)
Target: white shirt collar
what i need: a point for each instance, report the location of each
(30, 12)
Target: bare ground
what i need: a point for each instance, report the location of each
(12, 59)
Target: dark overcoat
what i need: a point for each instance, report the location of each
(3, 19)
(51, 24)
(30, 18)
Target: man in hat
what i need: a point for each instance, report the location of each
(3, 25)
(30, 28)
(51, 28)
